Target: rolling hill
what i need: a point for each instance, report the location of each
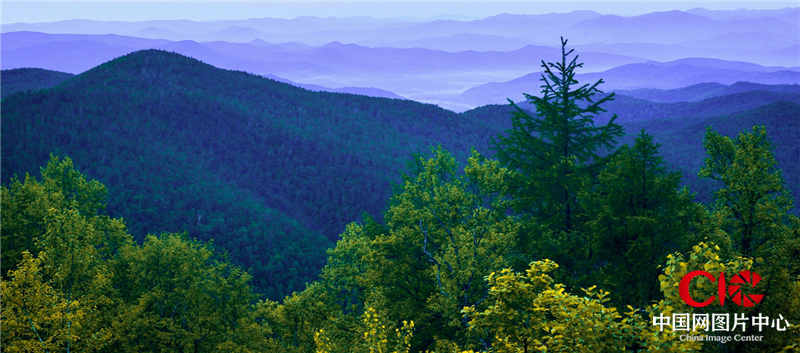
(17, 80)
(270, 171)
(273, 172)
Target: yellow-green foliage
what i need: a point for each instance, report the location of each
(753, 198)
(79, 283)
(26, 205)
(703, 256)
(36, 317)
(377, 335)
(782, 298)
(294, 323)
(529, 312)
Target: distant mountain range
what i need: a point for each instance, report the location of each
(273, 172)
(705, 90)
(652, 75)
(420, 74)
(454, 80)
(29, 49)
(78, 53)
(363, 91)
(764, 36)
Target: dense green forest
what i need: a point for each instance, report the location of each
(20, 80)
(183, 146)
(542, 226)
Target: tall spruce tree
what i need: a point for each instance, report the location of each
(556, 150)
(640, 211)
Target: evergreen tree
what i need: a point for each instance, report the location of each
(559, 147)
(640, 211)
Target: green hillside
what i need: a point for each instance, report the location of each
(272, 172)
(679, 128)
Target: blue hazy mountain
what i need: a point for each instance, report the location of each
(749, 35)
(658, 75)
(705, 90)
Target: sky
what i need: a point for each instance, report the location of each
(137, 10)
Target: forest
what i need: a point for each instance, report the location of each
(567, 229)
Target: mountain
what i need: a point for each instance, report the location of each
(740, 45)
(658, 75)
(367, 91)
(727, 34)
(286, 60)
(421, 74)
(67, 53)
(459, 42)
(15, 80)
(672, 27)
(272, 172)
(787, 14)
(18, 80)
(78, 53)
(680, 133)
(319, 30)
(705, 90)
(681, 140)
(660, 27)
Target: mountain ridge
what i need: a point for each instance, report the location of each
(653, 75)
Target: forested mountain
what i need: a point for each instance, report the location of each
(16, 80)
(679, 128)
(260, 166)
(263, 167)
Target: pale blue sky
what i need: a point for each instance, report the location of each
(134, 10)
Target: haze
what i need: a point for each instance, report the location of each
(122, 10)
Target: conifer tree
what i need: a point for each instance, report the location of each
(557, 148)
(639, 210)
